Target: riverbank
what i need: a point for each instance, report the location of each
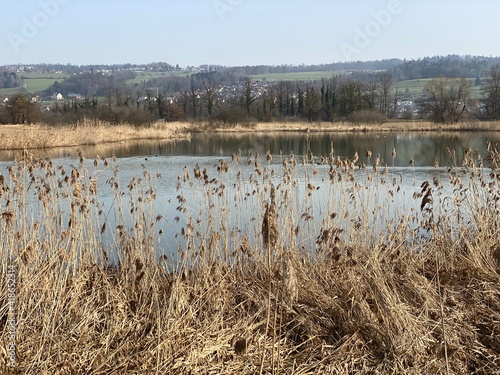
(18, 137)
(387, 127)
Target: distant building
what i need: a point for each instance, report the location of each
(58, 96)
(72, 95)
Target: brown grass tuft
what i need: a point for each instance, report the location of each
(269, 226)
(290, 283)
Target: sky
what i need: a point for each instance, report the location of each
(243, 32)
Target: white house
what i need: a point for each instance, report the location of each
(59, 97)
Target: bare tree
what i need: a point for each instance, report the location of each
(394, 106)
(172, 112)
(371, 94)
(21, 110)
(312, 104)
(279, 90)
(249, 96)
(210, 95)
(268, 103)
(150, 101)
(194, 95)
(446, 99)
(329, 103)
(184, 101)
(491, 92)
(351, 93)
(385, 85)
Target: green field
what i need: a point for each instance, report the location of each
(41, 84)
(410, 89)
(9, 92)
(414, 88)
(32, 86)
(303, 76)
(37, 75)
(146, 76)
(36, 81)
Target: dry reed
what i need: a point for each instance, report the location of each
(391, 126)
(19, 137)
(363, 301)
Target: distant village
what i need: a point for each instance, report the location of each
(225, 92)
(360, 91)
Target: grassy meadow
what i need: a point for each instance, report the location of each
(300, 76)
(10, 91)
(412, 89)
(39, 84)
(421, 296)
(146, 76)
(36, 82)
(40, 75)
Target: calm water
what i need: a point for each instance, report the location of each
(244, 211)
(423, 148)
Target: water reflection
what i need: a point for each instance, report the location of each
(424, 148)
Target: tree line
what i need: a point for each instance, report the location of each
(428, 67)
(453, 66)
(211, 97)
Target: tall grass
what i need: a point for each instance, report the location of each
(357, 125)
(87, 132)
(271, 274)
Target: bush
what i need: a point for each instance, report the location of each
(232, 117)
(367, 116)
(173, 112)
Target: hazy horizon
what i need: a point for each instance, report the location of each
(240, 32)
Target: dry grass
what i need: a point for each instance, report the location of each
(363, 301)
(19, 137)
(390, 126)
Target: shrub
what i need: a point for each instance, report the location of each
(367, 116)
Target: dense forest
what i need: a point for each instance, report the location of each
(452, 66)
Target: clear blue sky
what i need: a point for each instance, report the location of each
(243, 32)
